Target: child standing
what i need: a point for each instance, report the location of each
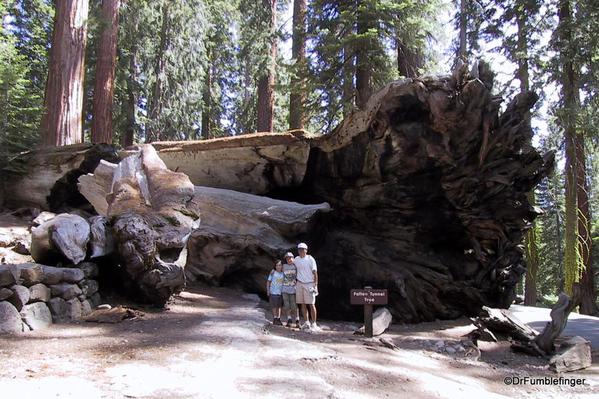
(274, 287)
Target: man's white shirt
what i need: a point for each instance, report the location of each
(305, 268)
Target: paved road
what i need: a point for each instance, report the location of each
(582, 325)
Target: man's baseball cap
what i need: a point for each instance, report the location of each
(302, 245)
(289, 255)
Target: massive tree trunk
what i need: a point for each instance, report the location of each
(363, 65)
(571, 99)
(298, 53)
(105, 65)
(532, 253)
(130, 104)
(588, 292)
(153, 131)
(349, 67)
(463, 38)
(62, 120)
(266, 83)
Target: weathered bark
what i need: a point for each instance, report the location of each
(62, 120)
(559, 318)
(63, 237)
(152, 216)
(363, 66)
(297, 97)
(266, 83)
(241, 234)
(463, 41)
(574, 354)
(105, 67)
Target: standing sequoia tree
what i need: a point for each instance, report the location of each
(266, 83)
(61, 123)
(104, 86)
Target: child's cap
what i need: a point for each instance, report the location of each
(289, 255)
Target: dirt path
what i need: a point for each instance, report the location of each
(216, 343)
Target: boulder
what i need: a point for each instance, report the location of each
(5, 293)
(95, 300)
(20, 296)
(65, 291)
(573, 354)
(31, 273)
(9, 275)
(36, 315)
(10, 319)
(89, 287)
(52, 275)
(72, 275)
(63, 237)
(73, 309)
(90, 269)
(39, 293)
(381, 319)
(58, 308)
(86, 308)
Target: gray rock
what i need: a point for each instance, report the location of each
(72, 275)
(10, 319)
(439, 344)
(39, 293)
(52, 275)
(82, 297)
(89, 287)
(5, 293)
(460, 348)
(95, 300)
(86, 308)
(65, 235)
(58, 308)
(36, 315)
(20, 296)
(31, 273)
(573, 354)
(73, 309)
(9, 275)
(449, 349)
(90, 269)
(65, 291)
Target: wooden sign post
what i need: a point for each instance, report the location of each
(368, 297)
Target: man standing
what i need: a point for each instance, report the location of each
(289, 282)
(306, 288)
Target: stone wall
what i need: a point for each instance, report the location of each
(33, 296)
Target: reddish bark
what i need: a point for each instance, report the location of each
(62, 120)
(105, 66)
(298, 52)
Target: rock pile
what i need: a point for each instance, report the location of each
(32, 296)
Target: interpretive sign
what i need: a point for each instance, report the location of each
(368, 297)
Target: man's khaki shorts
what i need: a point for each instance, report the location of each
(303, 294)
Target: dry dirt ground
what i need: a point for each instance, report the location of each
(218, 343)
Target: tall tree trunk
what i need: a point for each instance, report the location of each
(363, 67)
(409, 60)
(532, 252)
(62, 120)
(153, 132)
(266, 84)
(571, 99)
(349, 65)
(463, 43)
(298, 53)
(130, 104)
(588, 292)
(207, 97)
(105, 65)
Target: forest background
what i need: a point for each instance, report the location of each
(148, 70)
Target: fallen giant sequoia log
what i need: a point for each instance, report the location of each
(428, 188)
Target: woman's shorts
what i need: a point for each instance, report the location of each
(276, 301)
(289, 301)
(303, 294)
